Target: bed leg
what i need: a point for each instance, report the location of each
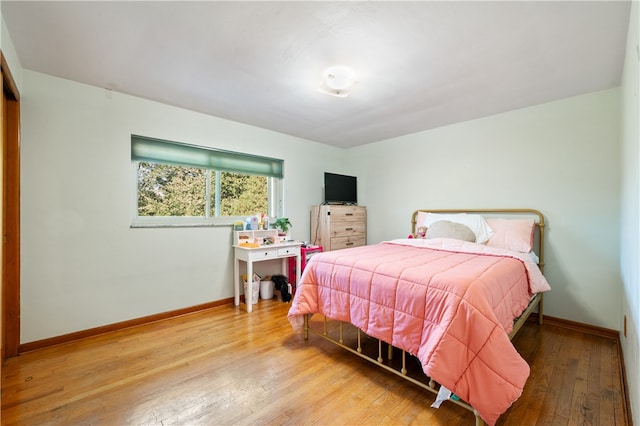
(306, 326)
(540, 310)
(380, 351)
(479, 421)
(359, 344)
(404, 364)
(389, 352)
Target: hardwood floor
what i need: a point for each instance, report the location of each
(224, 366)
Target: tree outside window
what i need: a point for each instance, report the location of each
(167, 190)
(180, 184)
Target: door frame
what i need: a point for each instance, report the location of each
(10, 318)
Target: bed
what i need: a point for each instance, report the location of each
(447, 298)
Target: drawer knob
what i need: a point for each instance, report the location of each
(349, 244)
(348, 229)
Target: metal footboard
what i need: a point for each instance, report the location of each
(378, 360)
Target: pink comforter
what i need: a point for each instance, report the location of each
(450, 308)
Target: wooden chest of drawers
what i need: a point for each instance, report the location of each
(336, 227)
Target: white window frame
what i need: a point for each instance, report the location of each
(275, 197)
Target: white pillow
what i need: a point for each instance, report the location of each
(475, 222)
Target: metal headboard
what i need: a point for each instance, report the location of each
(538, 218)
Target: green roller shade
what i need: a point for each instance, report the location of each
(166, 152)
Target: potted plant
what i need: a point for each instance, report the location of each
(283, 225)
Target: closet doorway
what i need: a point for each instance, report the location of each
(10, 207)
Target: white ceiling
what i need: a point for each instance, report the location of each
(420, 65)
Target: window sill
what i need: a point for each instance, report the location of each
(175, 222)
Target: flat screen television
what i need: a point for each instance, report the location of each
(340, 189)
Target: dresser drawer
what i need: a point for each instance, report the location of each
(347, 242)
(344, 229)
(348, 213)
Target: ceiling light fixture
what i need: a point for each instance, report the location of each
(338, 81)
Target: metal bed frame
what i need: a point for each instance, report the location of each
(402, 371)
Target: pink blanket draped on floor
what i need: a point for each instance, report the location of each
(449, 303)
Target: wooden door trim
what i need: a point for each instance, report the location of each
(10, 321)
(8, 83)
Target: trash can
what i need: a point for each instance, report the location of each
(255, 294)
(266, 289)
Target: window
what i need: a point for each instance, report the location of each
(179, 184)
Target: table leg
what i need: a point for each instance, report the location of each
(248, 294)
(236, 282)
(284, 266)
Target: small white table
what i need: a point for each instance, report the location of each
(267, 252)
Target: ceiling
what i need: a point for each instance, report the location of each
(419, 65)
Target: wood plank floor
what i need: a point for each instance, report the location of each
(224, 366)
